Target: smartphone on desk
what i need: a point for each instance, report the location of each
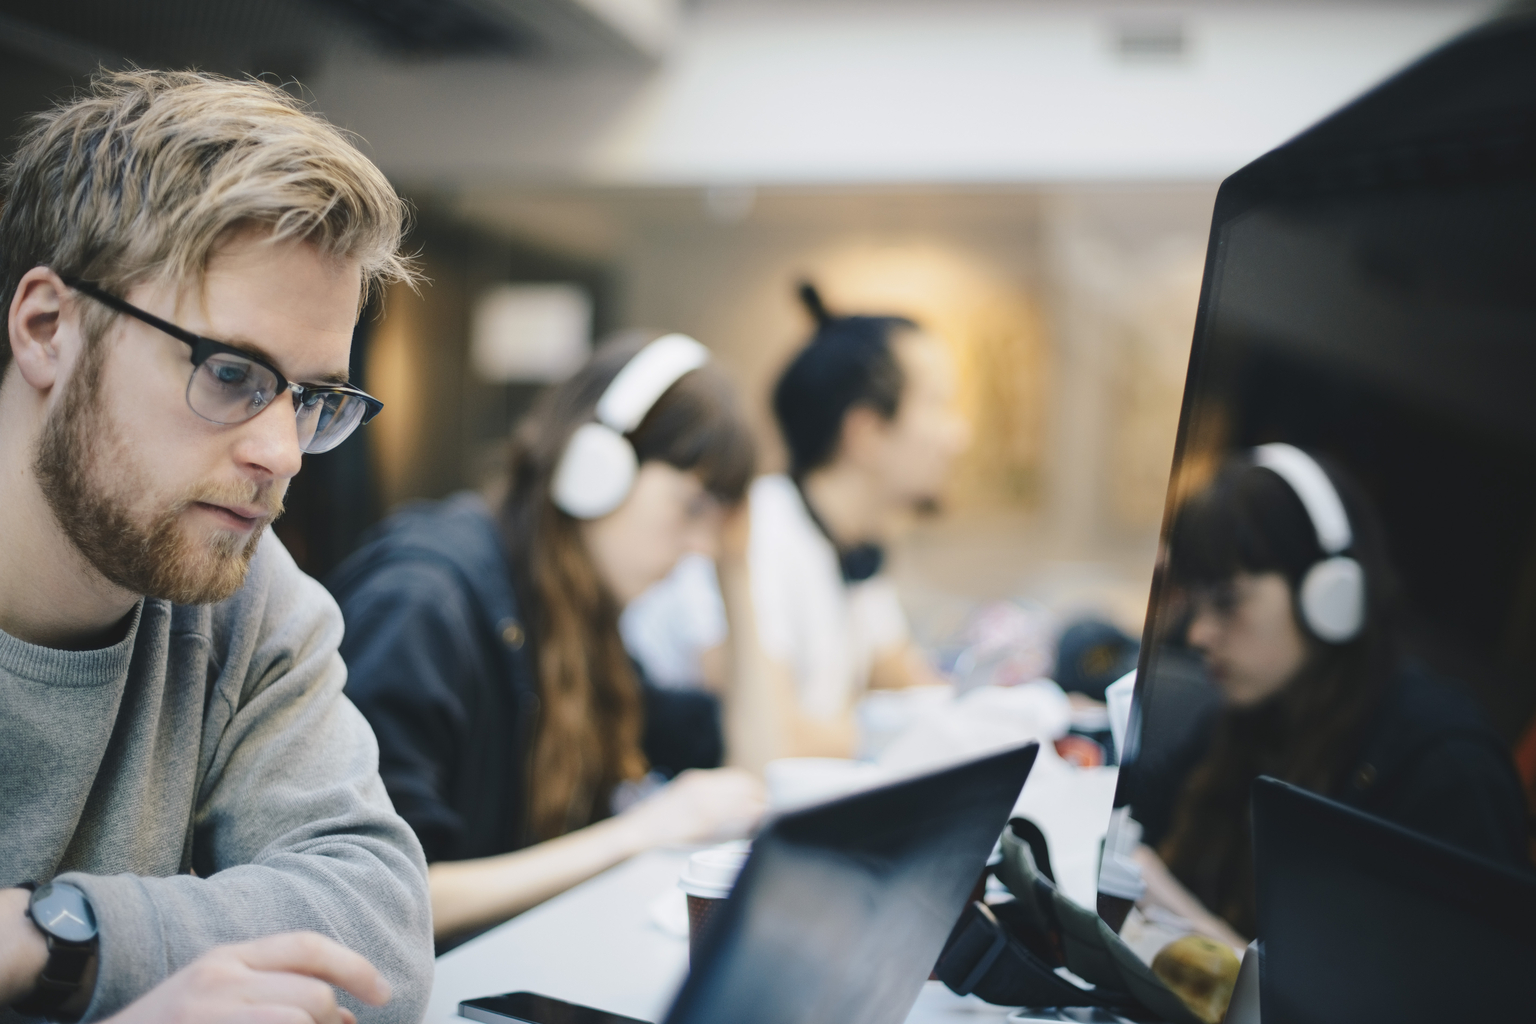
(532, 1008)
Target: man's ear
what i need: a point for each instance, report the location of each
(863, 429)
(36, 313)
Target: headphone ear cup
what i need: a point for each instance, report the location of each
(595, 473)
(1333, 599)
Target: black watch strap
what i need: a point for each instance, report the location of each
(60, 978)
(59, 981)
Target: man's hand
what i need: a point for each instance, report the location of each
(281, 979)
(23, 950)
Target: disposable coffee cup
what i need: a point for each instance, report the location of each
(707, 881)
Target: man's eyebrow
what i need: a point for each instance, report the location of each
(252, 349)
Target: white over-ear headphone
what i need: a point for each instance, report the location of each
(1332, 596)
(598, 466)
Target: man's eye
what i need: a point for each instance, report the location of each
(310, 399)
(231, 373)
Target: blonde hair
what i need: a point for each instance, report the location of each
(142, 176)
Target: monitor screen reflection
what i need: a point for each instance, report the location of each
(1364, 362)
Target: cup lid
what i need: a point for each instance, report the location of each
(712, 873)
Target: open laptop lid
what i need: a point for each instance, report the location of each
(843, 908)
(1361, 919)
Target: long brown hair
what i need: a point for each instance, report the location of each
(590, 719)
(1249, 520)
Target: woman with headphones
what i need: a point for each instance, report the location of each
(1292, 606)
(482, 641)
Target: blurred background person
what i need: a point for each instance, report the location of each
(483, 645)
(867, 412)
(1294, 609)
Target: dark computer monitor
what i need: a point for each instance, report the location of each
(842, 909)
(1370, 296)
(1363, 920)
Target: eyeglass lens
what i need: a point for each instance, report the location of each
(228, 389)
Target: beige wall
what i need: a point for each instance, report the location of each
(1069, 311)
(970, 281)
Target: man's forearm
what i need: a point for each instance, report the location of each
(23, 951)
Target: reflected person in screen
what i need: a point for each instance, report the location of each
(177, 760)
(483, 645)
(1350, 717)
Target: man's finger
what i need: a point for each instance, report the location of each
(312, 997)
(318, 957)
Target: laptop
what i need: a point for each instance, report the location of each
(1363, 920)
(843, 908)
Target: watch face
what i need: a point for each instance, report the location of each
(62, 911)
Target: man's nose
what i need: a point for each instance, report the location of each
(962, 433)
(268, 445)
(703, 538)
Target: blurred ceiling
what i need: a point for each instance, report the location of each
(456, 96)
(288, 37)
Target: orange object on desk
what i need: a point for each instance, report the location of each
(1080, 751)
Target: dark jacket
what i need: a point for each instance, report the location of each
(1426, 759)
(439, 663)
(1430, 762)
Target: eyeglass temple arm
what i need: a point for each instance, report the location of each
(129, 309)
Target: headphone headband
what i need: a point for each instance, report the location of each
(646, 377)
(1318, 495)
(599, 463)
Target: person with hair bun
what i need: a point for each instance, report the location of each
(867, 411)
(1293, 607)
(515, 734)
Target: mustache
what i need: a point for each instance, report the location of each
(266, 499)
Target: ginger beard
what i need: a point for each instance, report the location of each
(89, 477)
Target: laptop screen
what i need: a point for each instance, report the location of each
(842, 909)
(1362, 920)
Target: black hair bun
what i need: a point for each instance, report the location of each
(811, 299)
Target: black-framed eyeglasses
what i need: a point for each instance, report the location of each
(229, 385)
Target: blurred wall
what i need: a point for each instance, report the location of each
(1069, 309)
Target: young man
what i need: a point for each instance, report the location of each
(182, 781)
(867, 411)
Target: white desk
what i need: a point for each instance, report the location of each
(597, 945)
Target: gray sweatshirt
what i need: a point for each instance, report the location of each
(204, 781)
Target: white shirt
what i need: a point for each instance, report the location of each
(666, 628)
(827, 632)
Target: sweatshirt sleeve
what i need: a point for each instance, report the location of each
(292, 828)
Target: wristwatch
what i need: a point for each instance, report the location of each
(63, 914)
